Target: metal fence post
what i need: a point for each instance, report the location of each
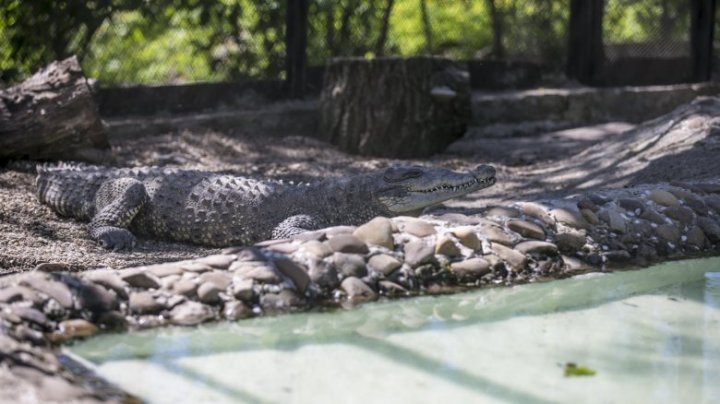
(702, 22)
(296, 20)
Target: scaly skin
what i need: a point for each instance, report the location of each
(221, 210)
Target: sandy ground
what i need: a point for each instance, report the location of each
(681, 146)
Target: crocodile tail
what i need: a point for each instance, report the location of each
(68, 188)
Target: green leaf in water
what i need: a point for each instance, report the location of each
(574, 370)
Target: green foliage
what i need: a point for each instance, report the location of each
(575, 370)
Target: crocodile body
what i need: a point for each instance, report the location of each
(220, 210)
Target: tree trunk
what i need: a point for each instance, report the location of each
(427, 28)
(498, 51)
(384, 26)
(52, 116)
(394, 107)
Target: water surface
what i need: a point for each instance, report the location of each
(651, 335)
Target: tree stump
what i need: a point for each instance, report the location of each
(52, 116)
(394, 107)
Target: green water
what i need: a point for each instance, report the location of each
(651, 335)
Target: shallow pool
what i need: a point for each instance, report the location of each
(651, 335)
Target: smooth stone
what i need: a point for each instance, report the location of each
(693, 201)
(112, 321)
(632, 205)
(140, 279)
(284, 248)
(190, 313)
(467, 236)
(617, 256)
(696, 237)
(317, 248)
(208, 292)
(384, 264)
(109, 280)
(570, 241)
(50, 267)
(570, 218)
(668, 232)
(336, 230)
(515, 259)
(587, 204)
(235, 310)
(219, 278)
(598, 199)
(144, 303)
(242, 288)
(54, 289)
(713, 201)
(245, 254)
(377, 231)
(185, 287)
(526, 229)
(347, 243)
(614, 219)
(651, 215)
(574, 265)
(31, 315)
(536, 247)
(458, 219)
(163, 270)
(294, 271)
(323, 274)
(680, 213)
(196, 267)
(77, 327)
(219, 261)
(590, 216)
(169, 281)
(710, 227)
(389, 288)
(416, 227)
(539, 212)
(317, 235)
(663, 197)
(357, 291)
(262, 273)
(284, 300)
(96, 298)
(496, 234)
(446, 246)
(502, 211)
(349, 264)
(418, 252)
(15, 293)
(470, 269)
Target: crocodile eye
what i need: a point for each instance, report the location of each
(395, 174)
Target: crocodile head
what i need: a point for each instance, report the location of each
(405, 189)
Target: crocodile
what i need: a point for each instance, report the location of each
(216, 209)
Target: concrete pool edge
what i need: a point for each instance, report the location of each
(504, 245)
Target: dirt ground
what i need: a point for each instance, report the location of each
(681, 146)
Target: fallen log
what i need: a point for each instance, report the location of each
(52, 116)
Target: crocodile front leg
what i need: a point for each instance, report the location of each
(116, 204)
(295, 225)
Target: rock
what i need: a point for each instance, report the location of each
(651, 215)
(95, 298)
(49, 267)
(56, 290)
(338, 230)
(617, 256)
(378, 231)
(140, 279)
(574, 265)
(710, 227)
(218, 261)
(570, 218)
(713, 201)
(347, 243)
(284, 248)
(662, 197)
(163, 270)
(691, 200)
(109, 280)
(587, 204)
(77, 327)
(283, 301)
(517, 261)
(614, 219)
(318, 235)
(144, 303)
(31, 315)
(384, 264)
(14, 293)
(632, 205)
(349, 264)
(357, 291)
(209, 292)
(185, 287)
(539, 212)
(416, 227)
(245, 254)
(696, 237)
(295, 272)
(317, 248)
(112, 321)
(570, 241)
(242, 288)
(496, 234)
(389, 288)
(446, 246)
(536, 247)
(260, 272)
(680, 213)
(219, 278)
(234, 311)
(196, 267)
(526, 229)
(418, 252)
(323, 274)
(190, 313)
(590, 216)
(502, 211)
(598, 199)
(471, 269)
(668, 232)
(466, 236)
